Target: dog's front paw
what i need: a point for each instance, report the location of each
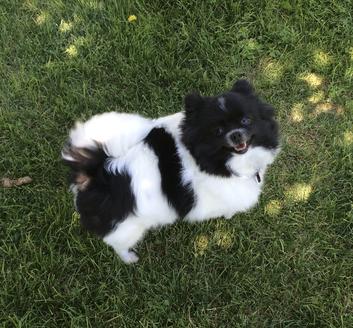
(128, 257)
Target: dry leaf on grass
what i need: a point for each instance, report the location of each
(8, 183)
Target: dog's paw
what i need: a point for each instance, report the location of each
(128, 257)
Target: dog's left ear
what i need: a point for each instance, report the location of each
(243, 86)
(193, 102)
(267, 112)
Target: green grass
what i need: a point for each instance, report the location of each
(287, 263)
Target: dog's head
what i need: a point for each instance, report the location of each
(216, 130)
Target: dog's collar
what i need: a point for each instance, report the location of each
(256, 176)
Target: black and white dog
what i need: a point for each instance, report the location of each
(131, 174)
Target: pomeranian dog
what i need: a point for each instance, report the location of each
(130, 173)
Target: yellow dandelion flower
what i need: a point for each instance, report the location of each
(132, 18)
(71, 51)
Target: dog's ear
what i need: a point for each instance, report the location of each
(267, 112)
(243, 86)
(193, 102)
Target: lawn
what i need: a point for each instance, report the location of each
(286, 263)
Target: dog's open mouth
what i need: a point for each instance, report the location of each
(240, 145)
(241, 148)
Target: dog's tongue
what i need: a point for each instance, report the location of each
(240, 146)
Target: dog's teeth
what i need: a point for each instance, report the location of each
(240, 146)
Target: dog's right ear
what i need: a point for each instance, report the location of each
(193, 102)
(243, 86)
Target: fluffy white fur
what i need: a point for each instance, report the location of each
(121, 136)
(117, 132)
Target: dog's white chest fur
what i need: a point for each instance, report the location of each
(217, 197)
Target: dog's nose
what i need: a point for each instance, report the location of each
(237, 136)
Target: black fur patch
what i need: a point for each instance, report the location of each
(105, 199)
(180, 196)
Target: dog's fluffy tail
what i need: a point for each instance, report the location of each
(105, 135)
(115, 132)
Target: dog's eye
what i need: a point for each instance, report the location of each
(246, 121)
(219, 131)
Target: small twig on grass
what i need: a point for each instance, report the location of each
(8, 183)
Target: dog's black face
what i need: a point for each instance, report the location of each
(217, 128)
